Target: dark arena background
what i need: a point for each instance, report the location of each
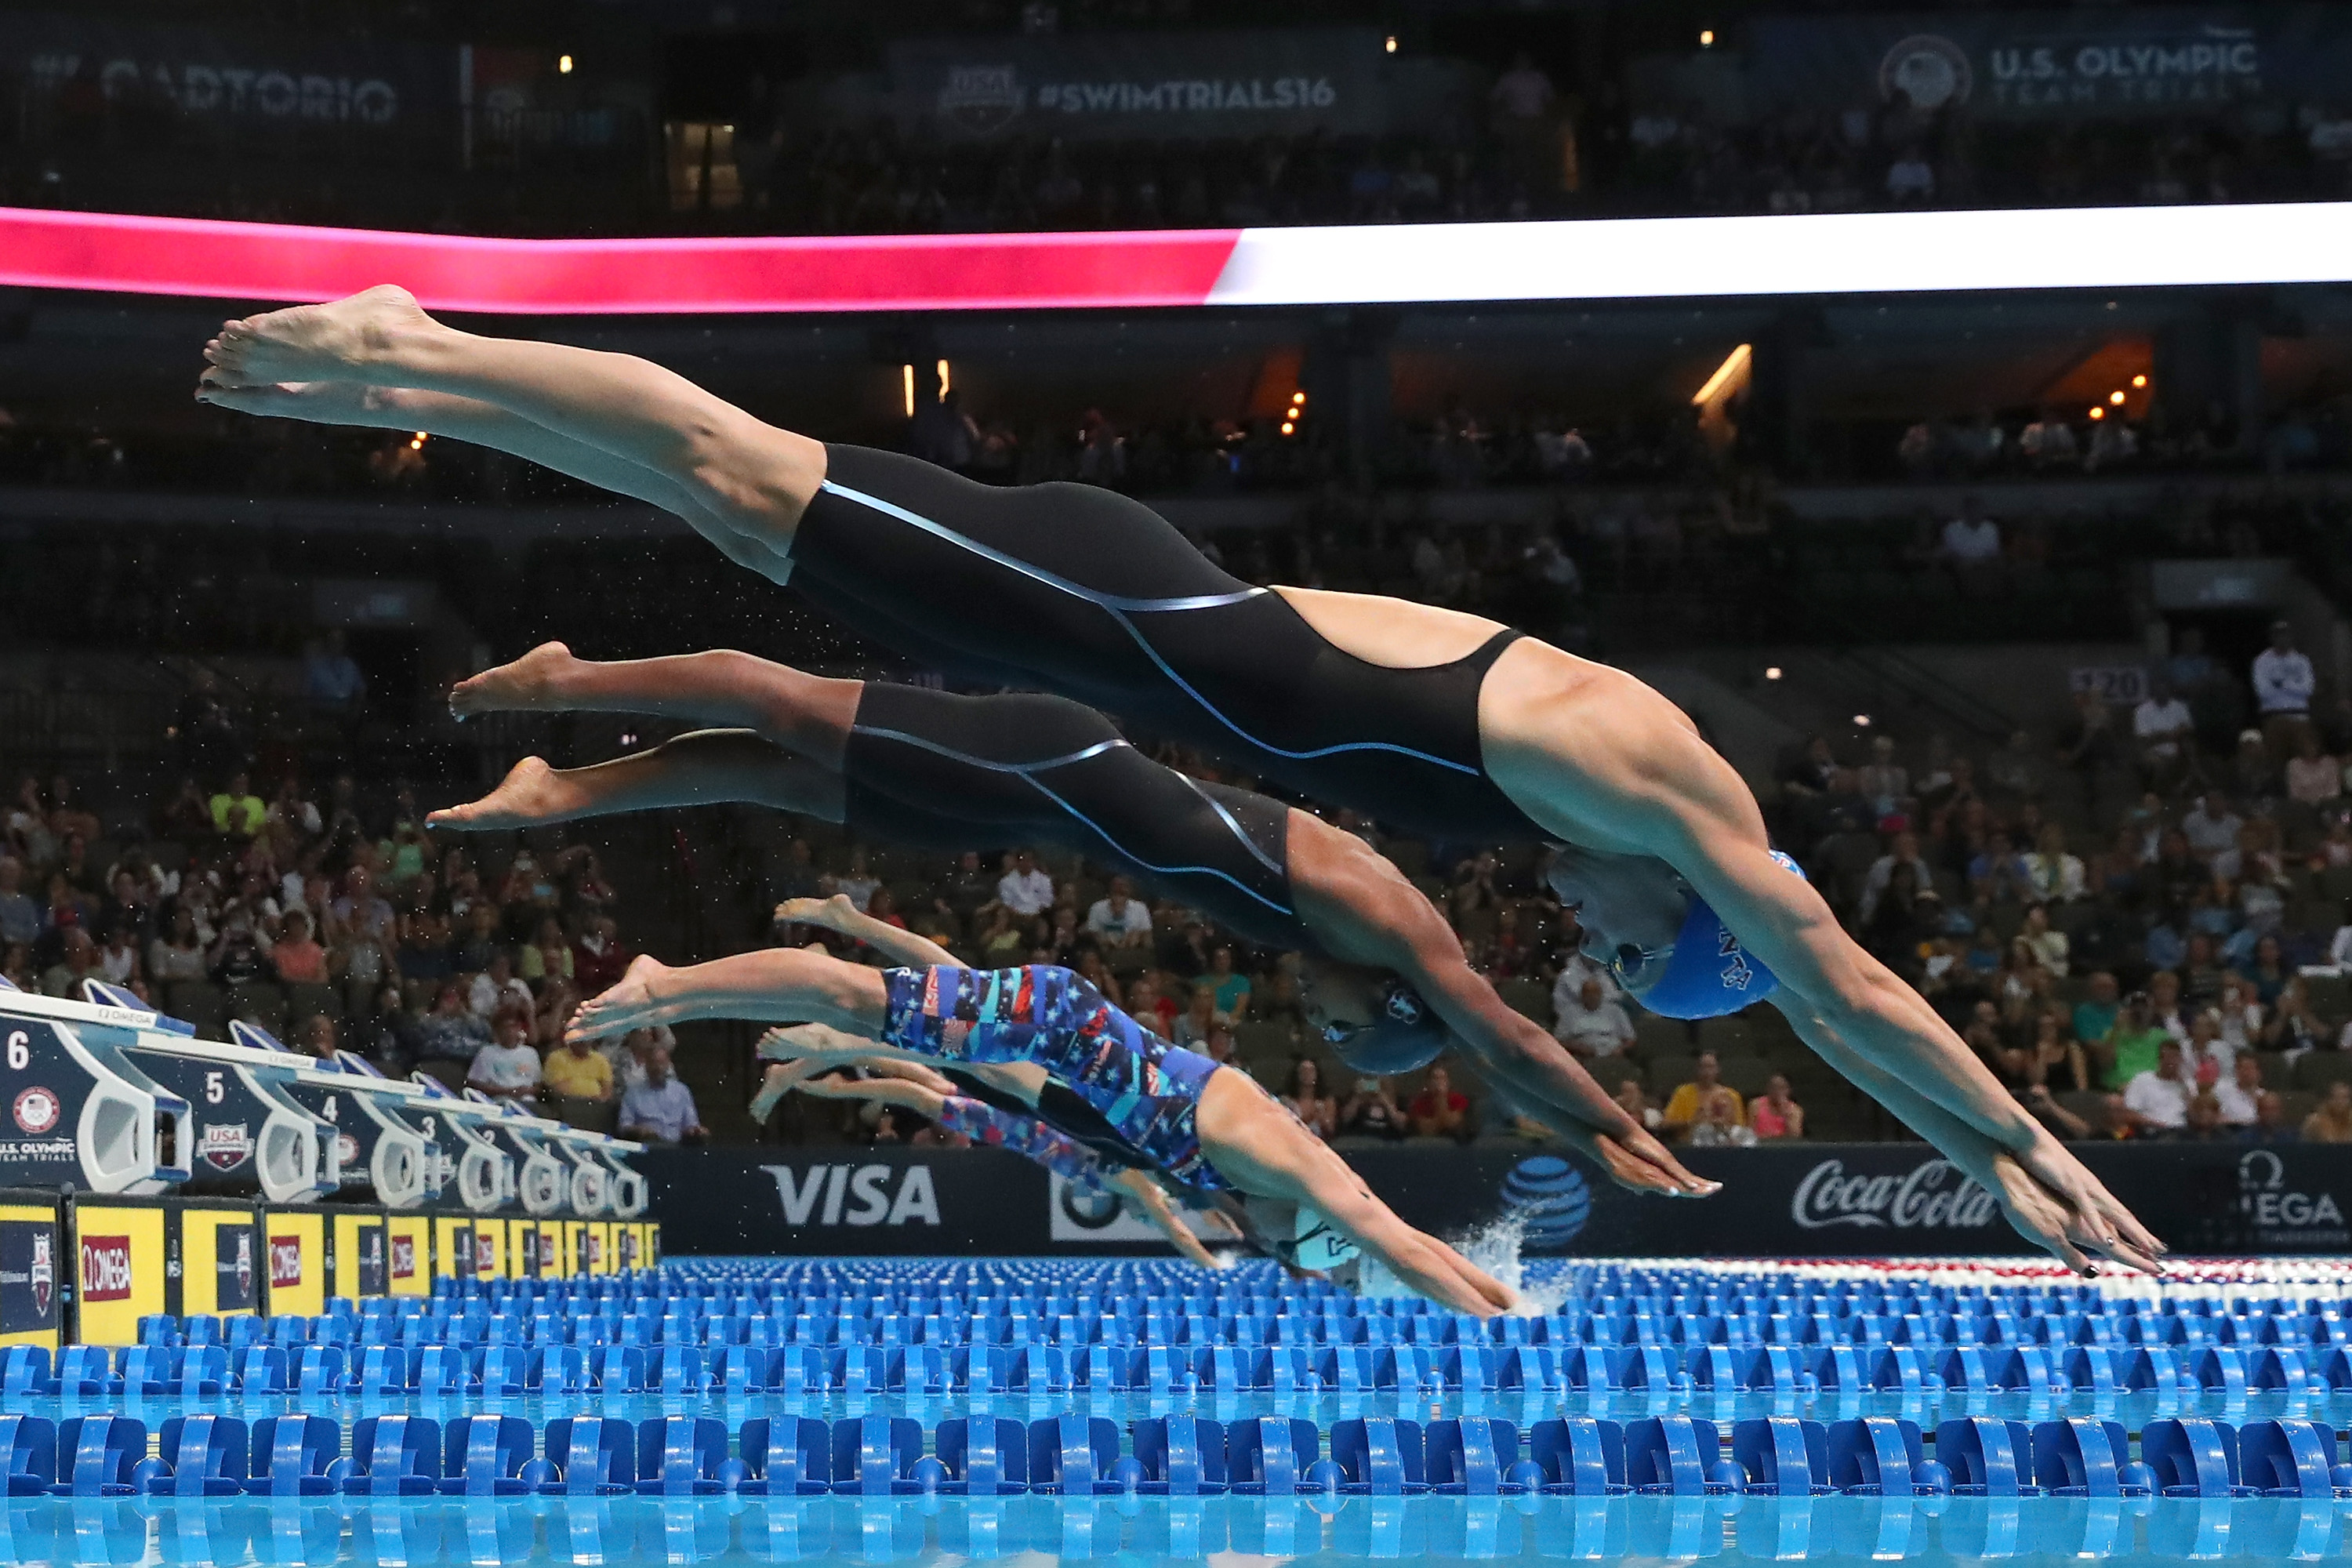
(1946, 413)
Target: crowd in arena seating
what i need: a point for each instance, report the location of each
(343, 925)
(1528, 150)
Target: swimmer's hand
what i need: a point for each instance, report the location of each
(1662, 1175)
(834, 914)
(2097, 1222)
(2069, 1225)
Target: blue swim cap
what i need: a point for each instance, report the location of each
(1710, 974)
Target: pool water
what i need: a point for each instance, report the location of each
(1449, 1465)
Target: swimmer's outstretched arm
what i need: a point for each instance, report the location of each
(1264, 1151)
(784, 984)
(749, 476)
(1362, 907)
(1669, 792)
(1148, 1197)
(2037, 1214)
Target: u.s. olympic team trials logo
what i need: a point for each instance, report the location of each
(1550, 1197)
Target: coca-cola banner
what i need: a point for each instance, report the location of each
(1828, 1200)
(1144, 86)
(2072, 64)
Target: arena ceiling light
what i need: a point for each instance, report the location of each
(1640, 258)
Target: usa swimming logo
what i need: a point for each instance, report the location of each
(1549, 1198)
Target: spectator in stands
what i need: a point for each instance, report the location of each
(424, 951)
(2294, 1025)
(1885, 784)
(1305, 1097)
(237, 812)
(449, 1032)
(361, 909)
(1199, 1015)
(296, 956)
(1593, 1025)
(2048, 443)
(2239, 1094)
(331, 680)
(2014, 770)
(1440, 1110)
(2284, 683)
(240, 954)
(2331, 1121)
(2049, 950)
(1682, 1107)
(507, 1067)
(77, 961)
(386, 1033)
(1970, 546)
(1637, 1104)
(2253, 774)
(598, 957)
(2212, 829)
(1119, 919)
(661, 1109)
(118, 957)
(2094, 1015)
(1720, 1125)
(2158, 1098)
(1371, 1111)
(2054, 876)
(966, 890)
(2046, 1109)
(495, 988)
(1777, 1118)
(579, 1071)
(1575, 969)
(2313, 776)
(1903, 851)
(2117, 1122)
(799, 878)
(1226, 985)
(2133, 1047)
(547, 956)
(858, 883)
(20, 914)
(179, 954)
(1025, 888)
(315, 1037)
(2166, 734)
(1151, 1007)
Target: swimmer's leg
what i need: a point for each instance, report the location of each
(753, 477)
(721, 690)
(708, 767)
(1261, 1150)
(783, 984)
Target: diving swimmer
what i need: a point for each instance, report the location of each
(1385, 979)
(1163, 1110)
(1428, 719)
(962, 1108)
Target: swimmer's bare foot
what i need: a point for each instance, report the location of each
(335, 341)
(629, 1005)
(528, 685)
(533, 792)
(313, 402)
(834, 914)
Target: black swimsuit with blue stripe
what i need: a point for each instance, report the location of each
(1096, 597)
(973, 772)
